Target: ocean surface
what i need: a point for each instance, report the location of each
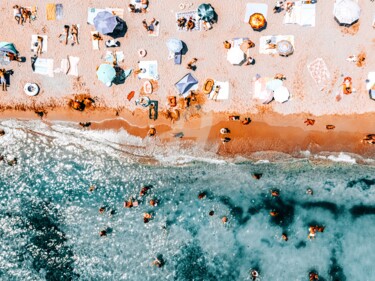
(50, 221)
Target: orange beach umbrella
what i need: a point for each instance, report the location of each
(257, 21)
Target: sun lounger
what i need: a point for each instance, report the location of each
(177, 58)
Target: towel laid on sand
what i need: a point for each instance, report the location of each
(44, 67)
(34, 41)
(264, 48)
(51, 11)
(224, 90)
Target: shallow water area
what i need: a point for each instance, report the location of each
(50, 221)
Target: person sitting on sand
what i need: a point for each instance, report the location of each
(190, 24)
(309, 122)
(151, 132)
(131, 8)
(181, 22)
(280, 76)
(172, 101)
(190, 64)
(247, 121)
(278, 7)
(227, 45)
(3, 81)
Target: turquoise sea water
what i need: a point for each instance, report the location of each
(50, 221)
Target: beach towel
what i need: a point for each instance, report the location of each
(51, 11)
(34, 40)
(224, 90)
(302, 14)
(263, 46)
(187, 15)
(73, 62)
(92, 12)
(252, 8)
(44, 67)
(319, 72)
(119, 56)
(59, 11)
(95, 43)
(151, 70)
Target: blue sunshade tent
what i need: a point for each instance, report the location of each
(185, 84)
(106, 73)
(206, 12)
(174, 45)
(109, 24)
(8, 47)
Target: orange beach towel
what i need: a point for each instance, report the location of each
(51, 11)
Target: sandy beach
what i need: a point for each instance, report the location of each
(274, 127)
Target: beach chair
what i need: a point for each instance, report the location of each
(177, 58)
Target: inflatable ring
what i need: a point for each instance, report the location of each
(142, 53)
(182, 6)
(31, 89)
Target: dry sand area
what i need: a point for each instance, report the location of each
(280, 124)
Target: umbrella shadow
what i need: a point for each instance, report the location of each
(120, 76)
(120, 29)
(184, 49)
(262, 28)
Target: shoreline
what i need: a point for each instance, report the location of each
(265, 133)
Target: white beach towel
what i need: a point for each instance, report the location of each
(119, 56)
(187, 15)
(92, 12)
(263, 46)
(224, 90)
(302, 14)
(252, 8)
(44, 67)
(151, 70)
(73, 66)
(95, 43)
(34, 40)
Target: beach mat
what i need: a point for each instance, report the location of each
(59, 11)
(44, 67)
(155, 103)
(51, 11)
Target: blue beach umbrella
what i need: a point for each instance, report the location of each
(105, 22)
(174, 45)
(106, 73)
(8, 47)
(206, 12)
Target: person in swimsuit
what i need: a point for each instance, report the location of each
(39, 45)
(74, 32)
(3, 82)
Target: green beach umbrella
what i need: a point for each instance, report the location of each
(206, 12)
(106, 73)
(8, 47)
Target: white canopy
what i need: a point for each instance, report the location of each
(346, 11)
(235, 55)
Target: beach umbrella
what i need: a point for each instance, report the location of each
(106, 73)
(206, 12)
(109, 24)
(284, 48)
(184, 85)
(274, 84)
(281, 94)
(257, 21)
(235, 55)
(8, 47)
(174, 45)
(346, 12)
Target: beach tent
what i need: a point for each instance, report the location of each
(346, 12)
(281, 94)
(174, 45)
(284, 48)
(109, 24)
(106, 73)
(235, 55)
(8, 48)
(206, 12)
(186, 83)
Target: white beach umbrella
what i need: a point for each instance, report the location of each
(235, 55)
(346, 12)
(274, 84)
(281, 94)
